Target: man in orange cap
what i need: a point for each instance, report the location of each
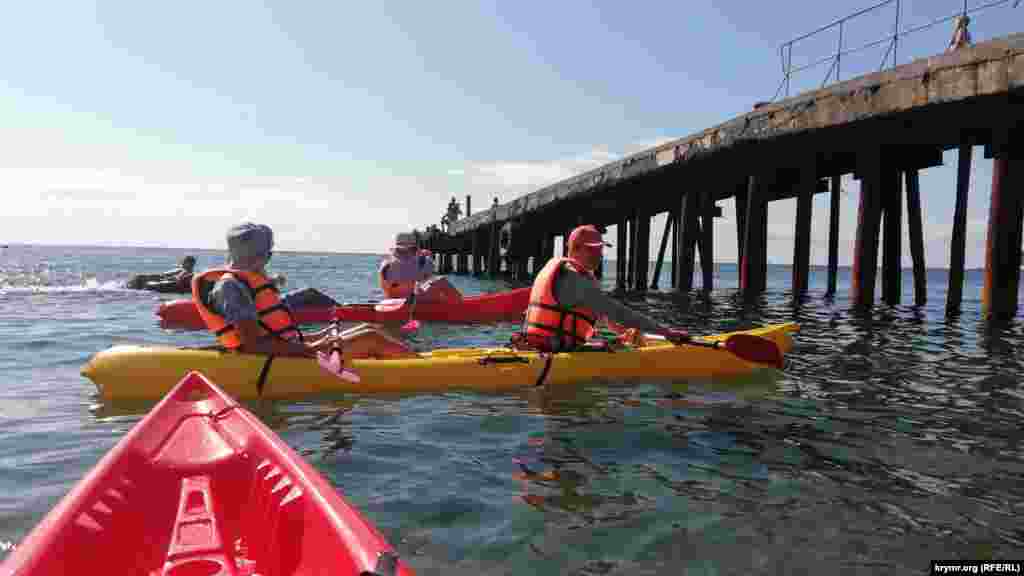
(566, 301)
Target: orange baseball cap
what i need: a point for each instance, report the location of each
(586, 235)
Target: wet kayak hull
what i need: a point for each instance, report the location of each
(201, 486)
(137, 372)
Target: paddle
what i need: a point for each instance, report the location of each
(333, 361)
(747, 346)
(397, 304)
(412, 325)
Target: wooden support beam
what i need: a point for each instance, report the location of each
(643, 250)
(540, 257)
(683, 257)
(806, 188)
(475, 239)
(674, 216)
(741, 220)
(957, 248)
(522, 273)
(764, 245)
(912, 185)
(833, 235)
(753, 263)
(1002, 250)
(665, 234)
(892, 252)
(621, 254)
(494, 253)
(706, 241)
(631, 270)
(865, 255)
(549, 249)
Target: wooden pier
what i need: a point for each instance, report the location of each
(882, 128)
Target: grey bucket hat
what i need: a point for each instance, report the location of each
(249, 245)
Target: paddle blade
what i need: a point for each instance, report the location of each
(755, 349)
(332, 363)
(390, 305)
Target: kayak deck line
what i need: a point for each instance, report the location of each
(126, 372)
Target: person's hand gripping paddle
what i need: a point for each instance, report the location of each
(333, 361)
(412, 325)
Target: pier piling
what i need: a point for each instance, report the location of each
(865, 250)
(621, 254)
(683, 257)
(806, 187)
(833, 234)
(957, 244)
(707, 240)
(1002, 250)
(642, 257)
(753, 262)
(911, 183)
(892, 205)
(665, 234)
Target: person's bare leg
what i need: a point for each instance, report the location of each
(372, 343)
(441, 290)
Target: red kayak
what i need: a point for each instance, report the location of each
(201, 487)
(312, 307)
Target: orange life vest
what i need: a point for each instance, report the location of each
(549, 325)
(273, 316)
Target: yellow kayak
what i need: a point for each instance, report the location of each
(148, 372)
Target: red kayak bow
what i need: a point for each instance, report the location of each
(201, 487)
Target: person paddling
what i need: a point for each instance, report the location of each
(241, 305)
(180, 277)
(566, 302)
(408, 269)
(183, 276)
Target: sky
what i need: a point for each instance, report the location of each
(341, 124)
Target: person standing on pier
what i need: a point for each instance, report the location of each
(566, 302)
(961, 37)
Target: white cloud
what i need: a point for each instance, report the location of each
(137, 204)
(509, 179)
